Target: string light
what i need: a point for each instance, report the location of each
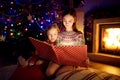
(11, 2)
(26, 29)
(15, 23)
(12, 25)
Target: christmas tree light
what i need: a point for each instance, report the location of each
(31, 17)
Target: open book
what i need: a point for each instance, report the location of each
(64, 55)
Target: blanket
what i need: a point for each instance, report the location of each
(86, 74)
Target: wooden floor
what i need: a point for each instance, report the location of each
(104, 67)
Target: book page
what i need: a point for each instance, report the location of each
(63, 55)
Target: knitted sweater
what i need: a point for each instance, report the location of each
(70, 39)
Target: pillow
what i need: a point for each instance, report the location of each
(63, 55)
(86, 74)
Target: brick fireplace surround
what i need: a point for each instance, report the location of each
(101, 57)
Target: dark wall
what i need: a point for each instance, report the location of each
(93, 4)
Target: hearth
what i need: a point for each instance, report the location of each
(106, 36)
(105, 49)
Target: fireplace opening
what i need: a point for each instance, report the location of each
(109, 35)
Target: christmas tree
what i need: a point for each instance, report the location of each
(24, 18)
(20, 19)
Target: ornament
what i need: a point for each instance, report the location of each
(2, 38)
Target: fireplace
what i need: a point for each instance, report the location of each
(103, 50)
(106, 36)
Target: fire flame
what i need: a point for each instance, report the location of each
(111, 38)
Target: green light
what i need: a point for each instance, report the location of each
(87, 39)
(18, 33)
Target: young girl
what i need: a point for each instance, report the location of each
(52, 34)
(36, 72)
(68, 36)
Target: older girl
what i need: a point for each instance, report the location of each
(68, 36)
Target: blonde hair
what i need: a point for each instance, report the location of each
(53, 26)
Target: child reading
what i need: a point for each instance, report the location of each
(68, 36)
(52, 34)
(37, 65)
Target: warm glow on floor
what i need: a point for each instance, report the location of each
(105, 68)
(110, 69)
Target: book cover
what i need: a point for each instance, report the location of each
(64, 55)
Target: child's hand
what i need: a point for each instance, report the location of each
(31, 61)
(22, 61)
(87, 61)
(39, 62)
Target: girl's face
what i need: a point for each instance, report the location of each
(68, 21)
(52, 35)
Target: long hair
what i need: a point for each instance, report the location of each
(71, 12)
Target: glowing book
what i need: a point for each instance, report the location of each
(64, 55)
